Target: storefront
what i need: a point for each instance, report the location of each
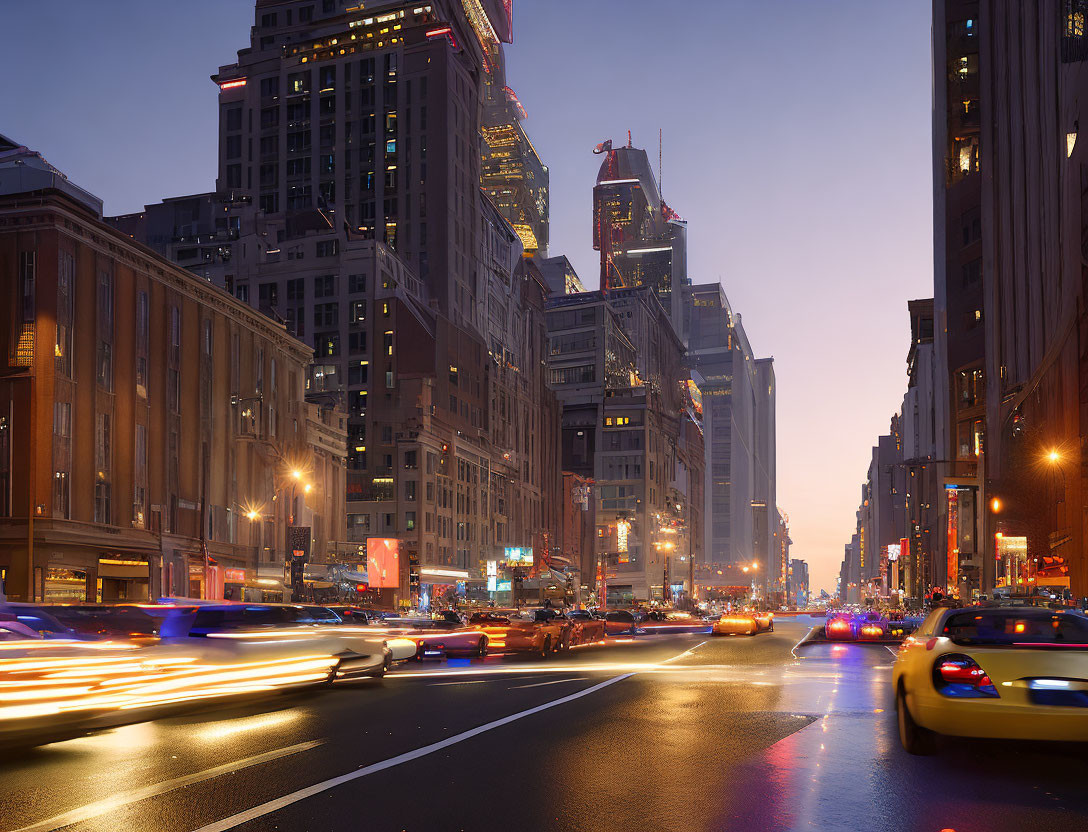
(123, 578)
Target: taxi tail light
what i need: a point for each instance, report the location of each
(957, 675)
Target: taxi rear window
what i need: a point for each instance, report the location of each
(1017, 629)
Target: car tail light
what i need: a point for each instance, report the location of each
(871, 630)
(839, 626)
(955, 674)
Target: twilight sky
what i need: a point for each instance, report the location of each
(796, 145)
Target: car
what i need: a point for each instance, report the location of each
(735, 624)
(359, 652)
(840, 626)
(436, 638)
(999, 672)
(516, 631)
(585, 628)
(871, 626)
(765, 621)
(620, 621)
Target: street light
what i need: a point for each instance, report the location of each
(996, 505)
(1053, 456)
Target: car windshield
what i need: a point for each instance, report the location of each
(107, 621)
(1021, 628)
(243, 617)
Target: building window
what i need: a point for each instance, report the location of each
(356, 283)
(327, 344)
(62, 459)
(105, 330)
(410, 490)
(65, 300)
(389, 382)
(328, 248)
(143, 334)
(358, 374)
(103, 461)
(139, 490)
(326, 314)
(358, 311)
(324, 286)
(387, 341)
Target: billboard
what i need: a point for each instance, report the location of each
(893, 551)
(519, 555)
(383, 562)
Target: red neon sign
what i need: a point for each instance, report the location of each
(230, 85)
(443, 32)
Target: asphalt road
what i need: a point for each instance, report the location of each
(676, 732)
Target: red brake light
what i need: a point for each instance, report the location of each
(963, 672)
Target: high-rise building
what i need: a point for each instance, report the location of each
(1011, 235)
(370, 116)
(642, 241)
(512, 174)
(738, 397)
(920, 474)
(959, 306)
(798, 592)
(765, 518)
(623, 426)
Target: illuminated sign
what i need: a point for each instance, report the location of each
(492, 568)
(893, 551)
(622, 528)
(383, 562)
(492, 584)
(503, 586)
(518, 555)
(443, 32)
(233, 84)
(234, 576)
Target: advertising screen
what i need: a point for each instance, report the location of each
(383, 562)
(519, 555)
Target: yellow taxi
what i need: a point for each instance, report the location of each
(1001, 672)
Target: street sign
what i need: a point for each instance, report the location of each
(298, 543)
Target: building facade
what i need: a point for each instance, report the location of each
(149, 422)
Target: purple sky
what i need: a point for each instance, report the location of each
(797, 147)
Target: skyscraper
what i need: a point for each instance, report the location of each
(368, 116)
(642, 241)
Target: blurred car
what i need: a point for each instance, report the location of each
(522, 632)
(871, 626)
(765, 621)
(12, 629)
(840, 626)
(735, 624)
(43, 623)
(360, 653)
(585, 628)
(621, 621)
(438, 637)
(998, 672)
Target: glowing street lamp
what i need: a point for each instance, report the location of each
(253, 515)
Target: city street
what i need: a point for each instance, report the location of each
(658, 732)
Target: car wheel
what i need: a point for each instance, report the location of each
(545, 647)
(481, 649)
(915, 738)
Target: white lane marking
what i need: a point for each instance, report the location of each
(102, 807)
(553, 682)
(893, 652)
(470, 682)
(687, 652)
(294, 797)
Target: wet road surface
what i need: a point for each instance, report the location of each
(659, 732)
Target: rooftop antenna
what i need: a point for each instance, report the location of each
(629, 138)
(660, 178)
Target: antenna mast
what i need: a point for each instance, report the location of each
(660, 178)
